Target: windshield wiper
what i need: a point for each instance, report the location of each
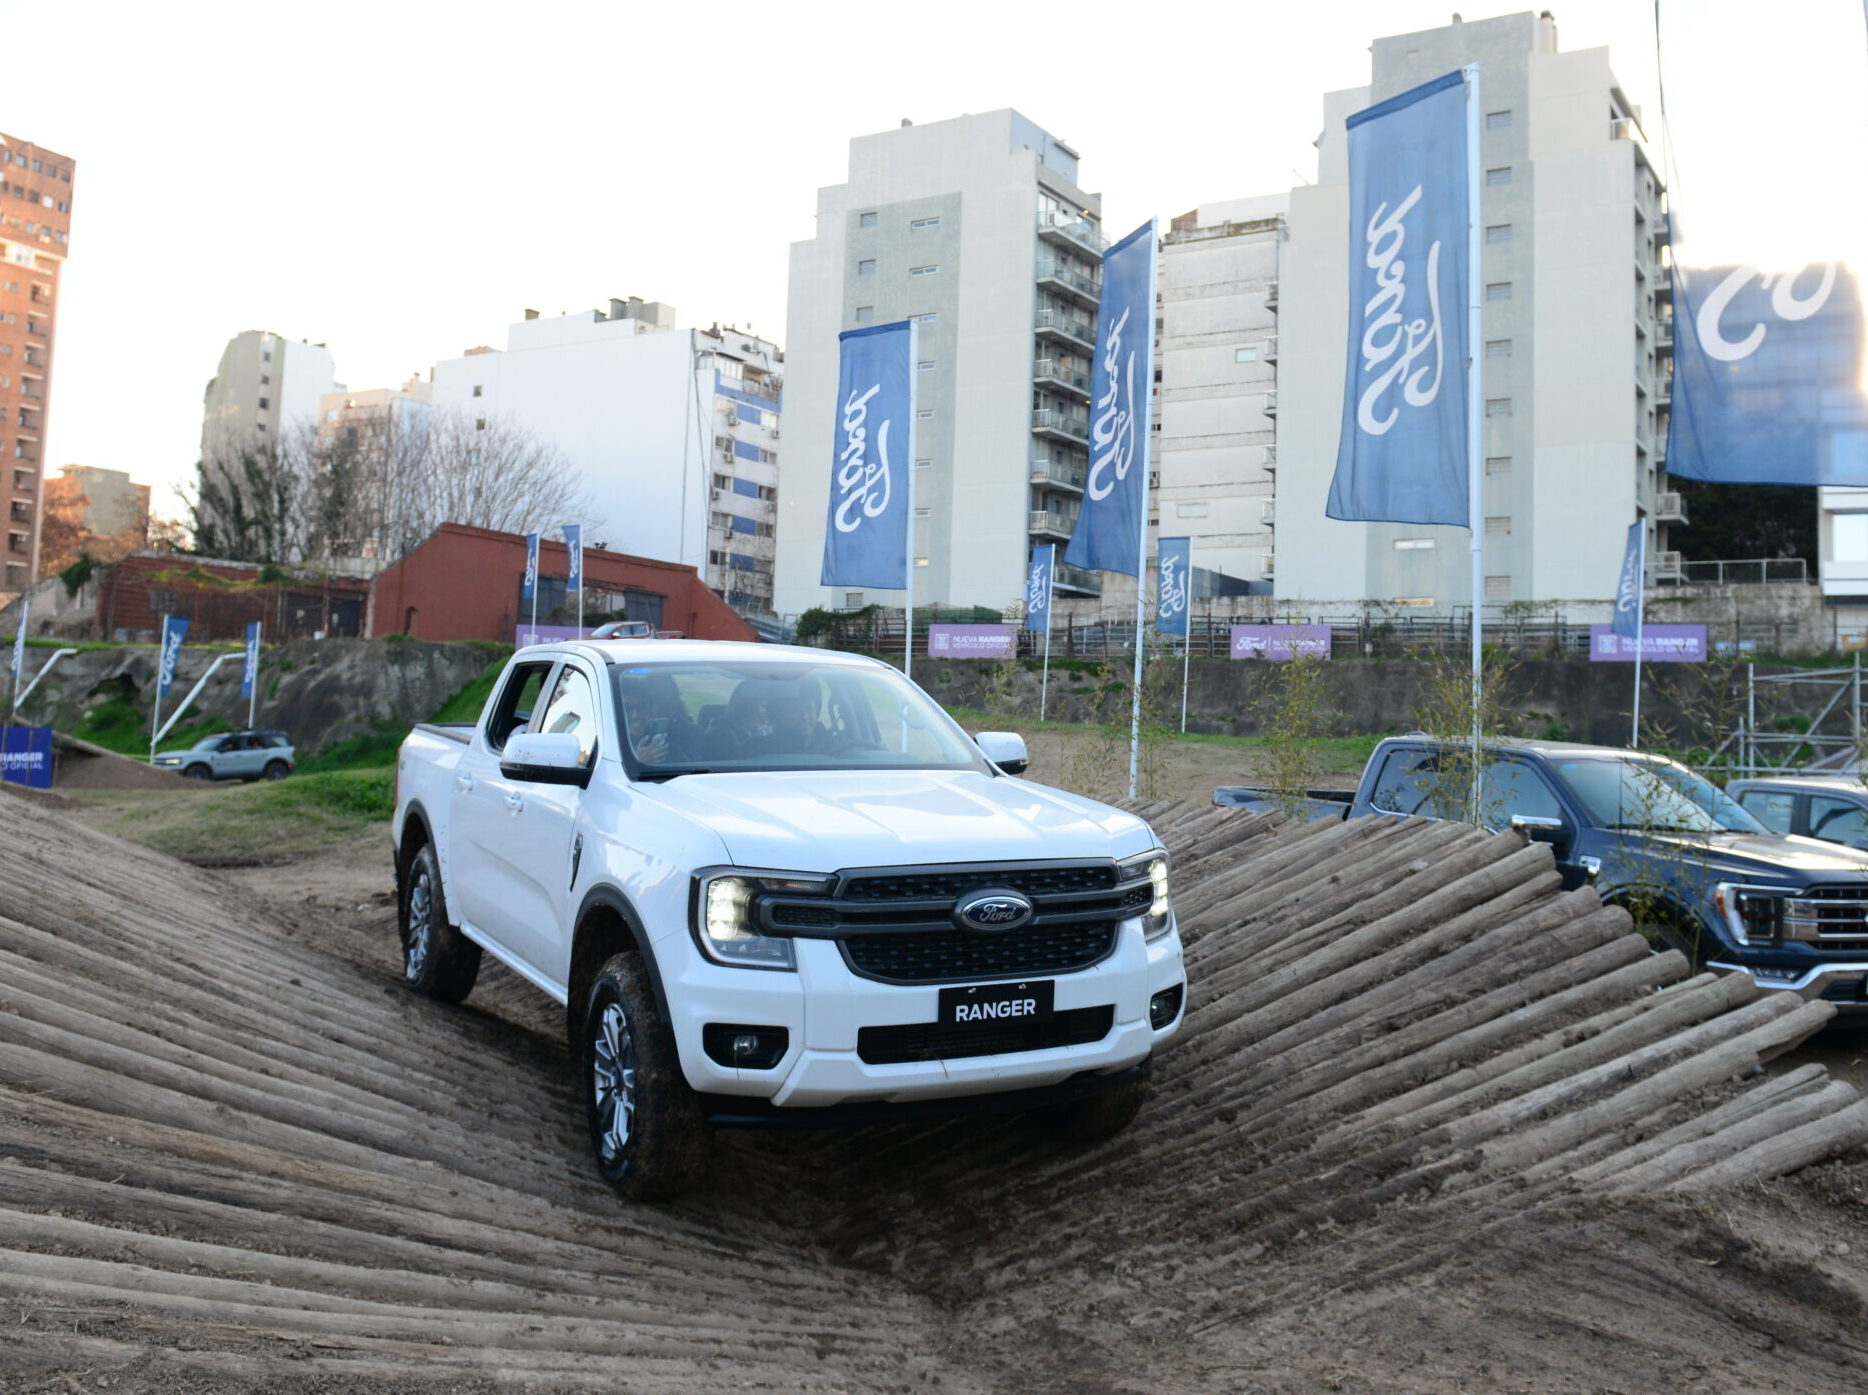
(660, 775)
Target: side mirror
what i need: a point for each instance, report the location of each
(544, 758)
(1538, 828)
(1005, 749)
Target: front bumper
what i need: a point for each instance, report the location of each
(1843, 984)
(823, 1007)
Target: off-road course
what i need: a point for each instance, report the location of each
(1432, 1125)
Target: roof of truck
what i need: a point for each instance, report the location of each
(621, 651)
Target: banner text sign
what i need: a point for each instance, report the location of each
(26, 756)
(1685, 644)
(1280, 642)
(973, 641)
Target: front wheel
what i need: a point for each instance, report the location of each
(437, 960)
(277, 770)
(1099, 1116)
(646, 1127)
(197, 772)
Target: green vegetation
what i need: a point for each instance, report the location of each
(374, 750)
(118, 725)
(257, 825)
(465, 706)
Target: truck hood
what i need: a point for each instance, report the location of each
(825, 820)
(1768, 856)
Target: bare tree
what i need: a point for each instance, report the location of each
(485, 472)
(247, 501)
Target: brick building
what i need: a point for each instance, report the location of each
(220, 598)
(35, 230)
(464, 583)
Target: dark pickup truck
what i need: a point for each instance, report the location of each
(1697, 871)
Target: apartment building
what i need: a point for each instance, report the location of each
(977, 230)
(674, 433)
(1575, 350)
(266, 385)
(35, 235)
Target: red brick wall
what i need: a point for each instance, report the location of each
(463, 583)
(134, 594)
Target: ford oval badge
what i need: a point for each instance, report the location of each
(993, 909)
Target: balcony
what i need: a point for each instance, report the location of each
(1063, 426)
(1663, 335)
(1271, 459)
(1073, 331)
(1663, 389)
(1271, 404)
(1669, 507)
(1057, 474)
(1049, 372)
(1270, 351)
(1077, 579)
(1663, 280)
(1072, 231)
(1271, 294)
(1072, 285)
(1052, 524)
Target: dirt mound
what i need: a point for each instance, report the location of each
(1408, 1142)
(82, 766)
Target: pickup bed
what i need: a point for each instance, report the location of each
(1696, 870)
(775, 885)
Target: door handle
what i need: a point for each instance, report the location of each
(516, 803)
(463, 783)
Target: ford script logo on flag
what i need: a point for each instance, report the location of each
(993, 909)
(174, 629)
(1038, 588)
(866, 530)
(1172, 566)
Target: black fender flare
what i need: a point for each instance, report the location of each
(606, 897)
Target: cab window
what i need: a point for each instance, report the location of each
(1511, 788)
(572, 710)
(1407, 783)
(1837, 820)
(1772, 808)
(517, 701)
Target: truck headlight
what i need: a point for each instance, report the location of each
(1151, 871)
(1753, 914)
(726, 917)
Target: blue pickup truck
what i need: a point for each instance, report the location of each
(1696, 870)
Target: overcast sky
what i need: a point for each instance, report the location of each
(400, 181)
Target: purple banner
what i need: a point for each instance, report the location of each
(546, 634)
(973, 641)
(1280, 642)
(1684, 644)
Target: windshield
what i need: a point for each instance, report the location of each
(686, 718)
(1655, 795)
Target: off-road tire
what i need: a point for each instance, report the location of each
(1664, 933)
(437, 960)
(1097, 1116)
(277, 770)
(628, 1066)
(197, 772)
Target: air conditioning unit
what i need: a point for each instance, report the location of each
(1271, 404)
(1669, 564)
(1270, 351)
(1268, 511)
(1268, 564)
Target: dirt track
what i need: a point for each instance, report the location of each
(234, 1155)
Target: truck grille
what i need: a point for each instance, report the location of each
(936, 956)
(1841, 919)
(930, 1041)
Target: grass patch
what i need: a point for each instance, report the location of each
(122, 727)
(258, 825)
(374, 750)
(466, 705)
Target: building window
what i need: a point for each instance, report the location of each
(1498, 176)
(927, 319)
(1497, 588)
(923, 513)
(1497, 120)
(924, 413)
(866, 267)
(1498, 232)
(1245, 355)
(1498, 525)
(1497, 464)
(1498, 406)
(925, 366)
(265, 379)
(1849, 537)
(1498, 348)
(476, 389)
(265, 403)
(1413, 544)
(865, 313)
(923, 463)
(919, 223)
(929, 270)
(866, 220)
(479, 424)
(1498, 290)
(921, 561)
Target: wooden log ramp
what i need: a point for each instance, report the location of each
(229, 1152)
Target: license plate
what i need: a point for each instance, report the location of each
(997, 1004)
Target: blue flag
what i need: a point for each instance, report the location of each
(528, 588)
(866, 523)
(1173, 578)
(19, 641)
(250, 674)
(1401, 457)
(173, 628)
(1767, 381)
(1038, 584)
(1108, 537)
(574, 543)
(1628, 589)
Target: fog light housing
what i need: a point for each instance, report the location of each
(739, 1047)
(1164, 1007)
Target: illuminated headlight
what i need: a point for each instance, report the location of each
(728, 930)
(1151, 869)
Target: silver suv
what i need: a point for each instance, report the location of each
(234, 755)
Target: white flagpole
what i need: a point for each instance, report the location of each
(1634, 737)
(1145, 430)
(1050, 618)
(155, 712)
(908, 610)
(1186, 648)
(538, 572)
(1474, 421)
(580, 581)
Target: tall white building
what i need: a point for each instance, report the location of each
(674, 432)
(265, 386)
(1575, 351)
(977, 230)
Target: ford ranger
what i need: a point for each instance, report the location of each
(778, 885)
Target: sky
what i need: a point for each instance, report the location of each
(401, 181)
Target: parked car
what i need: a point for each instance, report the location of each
(781, 886)
(624, 629)
(1697, 871)
(1833, 808)
(235, 755)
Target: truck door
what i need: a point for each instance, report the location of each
(1514, 787)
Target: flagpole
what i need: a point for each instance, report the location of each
(252, 698)
(1186, 648)
(1474, 441)
(1634, 737)
(580, 581)
(908, 528)
(1145, 430)
(155, 712)
(1050, 618)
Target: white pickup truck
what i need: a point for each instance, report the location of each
(780, 885)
